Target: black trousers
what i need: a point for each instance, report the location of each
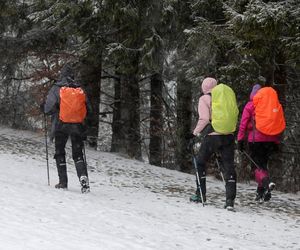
(60, 144)
(224, 146)
(61, 139)
(260, 153)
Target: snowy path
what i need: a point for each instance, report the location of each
(131, 206)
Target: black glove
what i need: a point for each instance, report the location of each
(189, 136)
(241, 146)
(42, 107)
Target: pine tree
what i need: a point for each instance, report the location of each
(266, 34)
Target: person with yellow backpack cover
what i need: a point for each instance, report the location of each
(68, 106)
(218, 114)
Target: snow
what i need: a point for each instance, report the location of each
(132, 205)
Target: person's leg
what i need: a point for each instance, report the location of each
(208, 146)
(260, 156)
(268, 186)
(60, 157)
(227, 157)
(77, 154)
(80, 164)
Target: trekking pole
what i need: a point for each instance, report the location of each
(249, 157)
(191, 145)
(47, 159)
(220, 169)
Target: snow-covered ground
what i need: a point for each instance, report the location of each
(132, 205)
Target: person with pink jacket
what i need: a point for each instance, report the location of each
(211, 143)
(260, 145)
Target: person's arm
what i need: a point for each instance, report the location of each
(246, 118)
(52, 101)
(88, 107)
(204, 111)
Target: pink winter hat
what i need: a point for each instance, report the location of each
(208, 84)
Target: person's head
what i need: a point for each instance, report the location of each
(208, 84)
(254, 90)
(67, 73)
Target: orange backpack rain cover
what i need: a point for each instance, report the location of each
(269, 117)
(72, 108)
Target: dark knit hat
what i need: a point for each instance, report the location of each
(255, 88)
(67, 72)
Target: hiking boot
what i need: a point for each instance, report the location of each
(258, 197)
(62, 172)
(197, 198)
(229, 205)
(84, 182)
(61, 186)
(267, 194)
(259, 193)
(271, 186)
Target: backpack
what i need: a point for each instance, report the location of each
(72, 107)
(269, 117)
(224, 109)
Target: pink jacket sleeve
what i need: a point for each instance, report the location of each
(204, 111)
(246, 118)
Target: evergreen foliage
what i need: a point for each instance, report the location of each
(152, 56)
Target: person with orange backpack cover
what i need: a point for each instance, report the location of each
(263, 121)
(68, 106)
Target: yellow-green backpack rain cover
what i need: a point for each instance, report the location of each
(224, 109)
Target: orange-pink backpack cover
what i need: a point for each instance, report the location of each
(72, 108)
(269, 116)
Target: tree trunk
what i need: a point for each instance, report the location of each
(156, 85)
(117, 136)
(184, 115)
(283, 164)
(156, 120)
(126, 118)
(90, 76)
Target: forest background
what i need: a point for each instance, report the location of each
(142, 63)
